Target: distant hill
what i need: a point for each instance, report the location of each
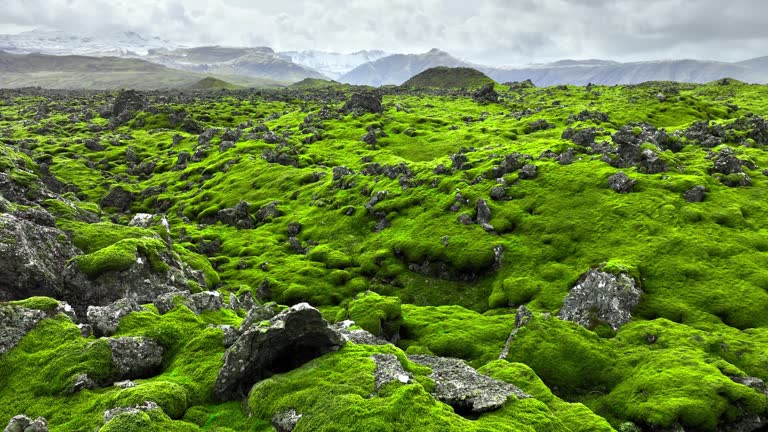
(397, 69)
(612, 73)
(211, 83)
(311, 83)
(97, 73)
(447, 77)
(259, 62)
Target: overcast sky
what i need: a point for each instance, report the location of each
(486, 31)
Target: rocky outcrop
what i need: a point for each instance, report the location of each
(104, 319)
(33, 258)
(238, 216)
(22, 423)
(463, 388)
(601, 297)
(144, 281)
(17, 321)
(118, 198)
(357, 336)
(486, 94)
(135, 357)
(291, 339)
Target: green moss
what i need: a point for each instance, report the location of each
(39, 303)
(121, 256)
(376, 314)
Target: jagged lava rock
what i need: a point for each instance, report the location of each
(600, 296)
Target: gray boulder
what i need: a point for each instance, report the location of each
(483, 216)
(104, 319)
(621, 182)
(695, 194)
(291, 339)
(22, 423)
(135, 357)
(462, 387)
(118, 198)
(389, 369)
(601, 297)
(258, 313)
(207, 301)
(165, 302)
(33, 258)
(238, 216)
(528, 172)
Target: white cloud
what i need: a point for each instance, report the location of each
(497, 31)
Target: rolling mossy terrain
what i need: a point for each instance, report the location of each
(603, 251)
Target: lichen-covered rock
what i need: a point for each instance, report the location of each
(357, 336)
(621, 182)
(165, 302)
(114, 412)
(104, 319)
(389, 369)
(21, 423)
(601, 297)
(463, 388)
(258, 313)
(33, 258)
(207, 301)
(135, 357)
(291, 339)
(286, 421)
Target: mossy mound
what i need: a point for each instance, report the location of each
(211, 83)
(449, 78)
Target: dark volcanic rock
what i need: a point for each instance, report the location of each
(522, 317)
(467, 391)
(621, 183)
(33, 258)
(238, 216)
(601, 297)
(528, 172)
(118, 198)
(291, 339)
(486, 94)
(361, 103)
(695, 194)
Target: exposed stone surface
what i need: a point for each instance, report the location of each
(104, 319)
(114, 412)
(22, 423)
(389, 369)
(259, 313)
(286, 421)
(135, 357)
(238, 216)
(33, 258)
(462, 387)
(292, 338)
(486, 94)
(118, 198)
(522, 317)
(358, 336)
(528, 172)
(483, 217)
(601, 297)
(207, 301)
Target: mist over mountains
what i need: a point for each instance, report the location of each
(370, 67)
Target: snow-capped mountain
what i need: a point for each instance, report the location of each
(332, 64)
(54, 42)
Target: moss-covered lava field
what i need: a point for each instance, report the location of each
(507, 259)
